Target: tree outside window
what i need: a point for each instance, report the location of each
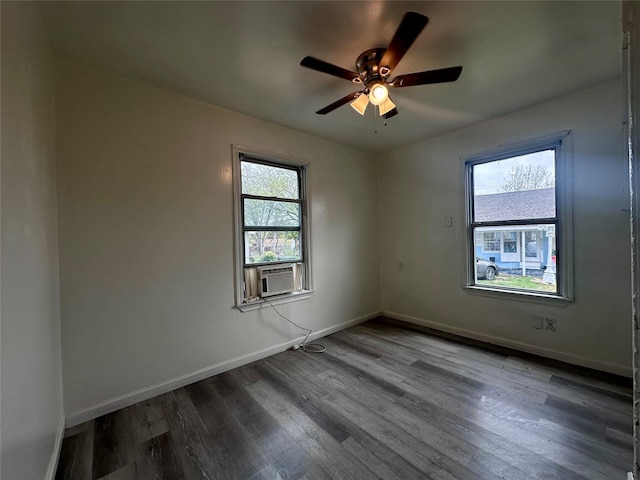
(271, 212)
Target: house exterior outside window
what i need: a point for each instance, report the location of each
(518, 219)
(491, 242)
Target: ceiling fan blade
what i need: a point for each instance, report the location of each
(443, 75)
(339, 103)
(391, 113)
(328, 68)
(409, 29)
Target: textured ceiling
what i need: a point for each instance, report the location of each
(244, 56)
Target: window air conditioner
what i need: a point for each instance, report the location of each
(275, 280)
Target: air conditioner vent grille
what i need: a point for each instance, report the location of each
(275, 280)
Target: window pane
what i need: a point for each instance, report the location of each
(531, 246)
(269, 181)
(526, 261)
(491, 241)
(516, 188)
(269, 247)
(510, 242)
(268, 213)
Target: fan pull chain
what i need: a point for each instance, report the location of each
(376, 113)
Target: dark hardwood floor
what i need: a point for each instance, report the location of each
(384, 401)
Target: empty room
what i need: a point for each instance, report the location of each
(319, 240)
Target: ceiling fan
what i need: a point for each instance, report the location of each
(375, 66)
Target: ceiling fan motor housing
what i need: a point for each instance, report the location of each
(367, 66)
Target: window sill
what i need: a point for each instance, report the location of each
(518, 295)
(275, 300)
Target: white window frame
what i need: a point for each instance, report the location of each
(238, 154)
(497, 238)
(561, 142)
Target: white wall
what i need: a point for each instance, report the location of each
(146, 234)
(422, 184)
(31, 396)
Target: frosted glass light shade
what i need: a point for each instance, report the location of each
(387, 106)
(360, 104)
(378, 94)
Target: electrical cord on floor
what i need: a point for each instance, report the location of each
(307, 347)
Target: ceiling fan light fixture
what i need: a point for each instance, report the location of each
(360, 103)
(386, 106)
(375, 66)
(378, 94)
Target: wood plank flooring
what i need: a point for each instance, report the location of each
(386, 400)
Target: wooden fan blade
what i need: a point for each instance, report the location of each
(391, 113)
(339, 103)
(450, 74)
(409, 29)
(328, 68)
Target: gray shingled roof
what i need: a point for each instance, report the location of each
(539, 203)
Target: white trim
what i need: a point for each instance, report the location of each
(278, 300)
(146, 393)
(515, 149)
(517, 295)
(524, 347)
(564, 213)
(55, 455)
(535, 227)
(631, 96)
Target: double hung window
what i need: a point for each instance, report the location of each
(518, 219)
(271, 220)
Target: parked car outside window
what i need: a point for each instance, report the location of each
(486, 269)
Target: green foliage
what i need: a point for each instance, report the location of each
(518, 281)
(274, 183)
(269, 181)
(269, 257)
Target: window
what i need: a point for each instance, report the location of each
(518, 220)
(490, 242)
(271, 212)
(271, 217)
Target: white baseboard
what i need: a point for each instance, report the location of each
(55, 455)
(623, 370)
(154, 390)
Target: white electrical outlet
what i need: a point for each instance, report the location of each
(550, 324)
(401, 265)
(448, 221)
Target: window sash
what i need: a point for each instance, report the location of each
(300, 201)
(283, 228)
(272, 199)
(297, 256)
(276, 165)
(518, 253)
